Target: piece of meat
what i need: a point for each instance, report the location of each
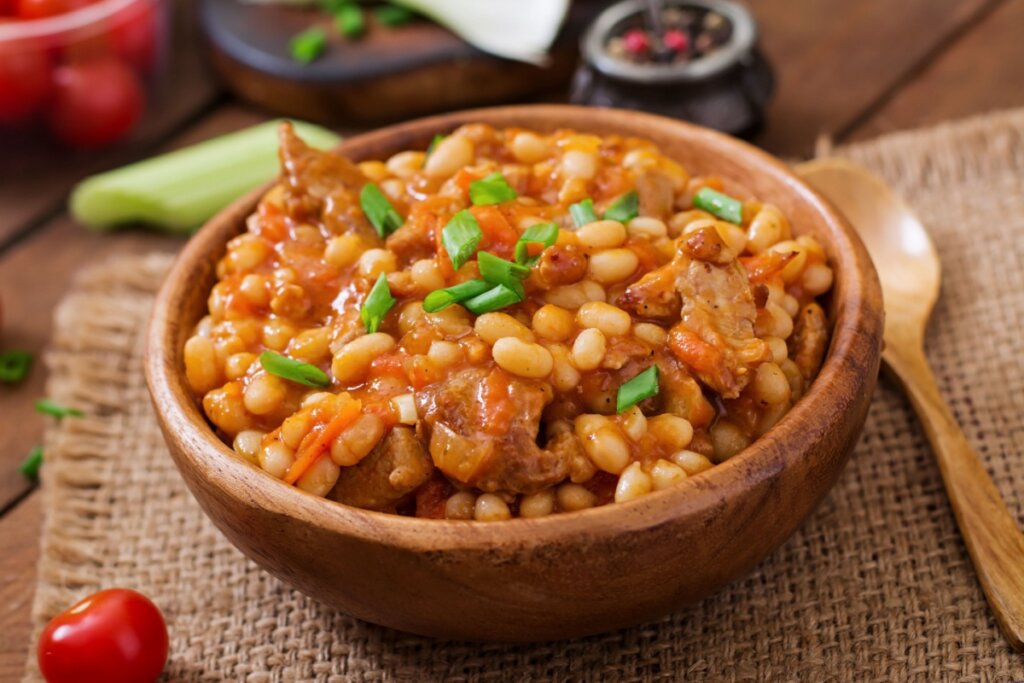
(322, 186)
(490, 441)
(656, 194)
(653, 296)
(810, 337)
(396, 467)
(715, 333)
(680, 393)
(562, 264)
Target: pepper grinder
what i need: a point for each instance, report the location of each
(695, 60)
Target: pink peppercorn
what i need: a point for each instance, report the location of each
(676, 40)
(637, 41)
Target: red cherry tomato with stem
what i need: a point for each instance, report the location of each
(114, 635)
(25, 80)
(95, 103)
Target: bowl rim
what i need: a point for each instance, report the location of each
(856, 333)
(23, 29)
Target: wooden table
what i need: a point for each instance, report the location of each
(846, 71)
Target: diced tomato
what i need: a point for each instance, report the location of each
(497, 407)
(499, 236)
(388, 365)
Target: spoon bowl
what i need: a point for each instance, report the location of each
(904, 254)
(909, 269)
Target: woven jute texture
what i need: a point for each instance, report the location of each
(876, 586)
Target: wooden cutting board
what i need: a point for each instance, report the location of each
(390, 73)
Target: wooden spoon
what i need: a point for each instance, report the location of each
(908, 267)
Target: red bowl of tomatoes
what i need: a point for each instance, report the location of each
(80, 71)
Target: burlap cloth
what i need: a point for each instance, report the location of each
(876, 586)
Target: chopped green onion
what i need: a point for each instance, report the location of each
(378, 302)
(443, 298)
(721, 205)
(493, 299)
(493, 189)
(48, 407)
(583, 212)
(625, 208)
(637, 389)
(294, 370)
(332, 6)
(498, 271)
(181, 190)
(348, 19)
(30, 465)
(379, 211)
(461, 236)
(434, 143)
(308, 45)
(393, 15)
(539, 233)
(14, 366)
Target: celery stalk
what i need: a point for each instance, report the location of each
(180, 190)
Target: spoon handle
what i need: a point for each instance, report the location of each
(990, 532)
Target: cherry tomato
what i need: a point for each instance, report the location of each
(25, 80)
(134, 35)
(95, 103)
(114, 635)
(40, 9)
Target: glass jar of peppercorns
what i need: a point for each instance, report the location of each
(690, 59)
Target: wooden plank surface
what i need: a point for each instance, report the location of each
(34, 182)
(834, 60)
(982, 71)
(20, 533)
(855, 68)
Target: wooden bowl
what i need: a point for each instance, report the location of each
(567, 574)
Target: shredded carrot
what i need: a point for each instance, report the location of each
(499, 235)
(308, 453)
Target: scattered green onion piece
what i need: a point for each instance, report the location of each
(308, 45)
(583, 212)
(181, 190)
(498, 271)
(461, 236)
(48, 407)
(497, 297)
(378, 302)
(332, 6)
(393, 15)
(348, 19)
(30, 465)
(378, 210)
(720, 205)
(643, 386)
(443, 298)
(539, 233)
(625, 208)
(294, 370)
(434, 143)
(493, 189)
(14, 366)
